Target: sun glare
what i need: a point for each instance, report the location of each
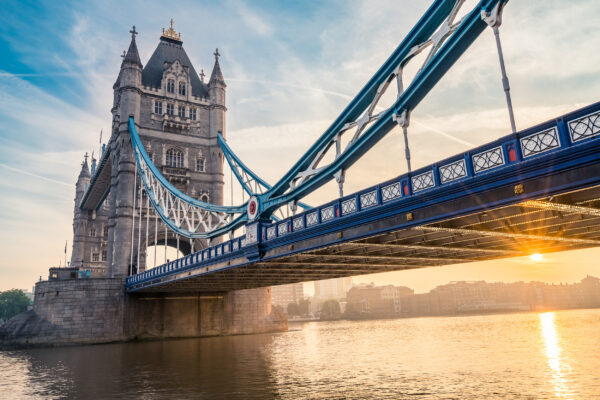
(536, 257)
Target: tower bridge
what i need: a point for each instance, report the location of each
(160, 180)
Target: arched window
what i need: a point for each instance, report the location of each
(170, 86)
(174, 158)
(182, 88)
(200, 164)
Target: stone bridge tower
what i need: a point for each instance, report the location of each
(178, 116)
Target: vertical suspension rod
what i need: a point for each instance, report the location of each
(505, 83)
(155, 235)
(147, 223)
(130, 269)
(139, 244)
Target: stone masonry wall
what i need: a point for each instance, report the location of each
(85, 311)
(192, 314)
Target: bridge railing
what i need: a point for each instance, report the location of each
(554, 135)
(573, 129)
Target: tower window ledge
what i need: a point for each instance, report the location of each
(174, 171)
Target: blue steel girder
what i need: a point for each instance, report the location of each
(458, 37)
(448, 41)
(185, 215)
(245, 176)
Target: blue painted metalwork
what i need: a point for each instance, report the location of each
(320, 221)
(468, 30)
(239, 168)
(435, 26)
(147, 170)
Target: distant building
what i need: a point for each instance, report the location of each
(370, 300)
(480, 296)
(283, 295)
(332, 288)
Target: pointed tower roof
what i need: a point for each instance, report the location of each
(169, 49)
(85, 169)
(217, 75)
(132, 55)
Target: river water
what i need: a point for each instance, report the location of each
(553, 355)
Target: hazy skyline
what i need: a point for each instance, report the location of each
(290, 69)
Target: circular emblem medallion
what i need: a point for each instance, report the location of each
(252, 208)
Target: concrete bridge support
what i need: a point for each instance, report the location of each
(87, 311)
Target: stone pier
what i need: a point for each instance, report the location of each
(87, 311)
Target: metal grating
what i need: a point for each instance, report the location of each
(423, 181)
(348, 206)
(539, 142)
(311, 219)
(298, 224)
(453, 171)
(271, 232)
(326, 213)
(488, 159)
(282, 229)
(368, 199)
(585, 127)
(391, 192)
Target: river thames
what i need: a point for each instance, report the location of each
(553, 355)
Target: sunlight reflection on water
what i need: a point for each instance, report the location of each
(512, 356)
(557, 365)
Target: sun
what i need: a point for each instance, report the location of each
(536, 257)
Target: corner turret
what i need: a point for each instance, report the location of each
(216, 84)
(80, 216)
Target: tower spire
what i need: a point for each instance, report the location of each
(132, 55)
(216, 75)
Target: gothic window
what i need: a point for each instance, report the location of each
(95, 257)
(93, 232)
(170, 86)
(174, 158)
(200, 164)
(193, 114)
(151, 156)
(170, 109)
(204, 198)
(158, 107)
(181, 111)
(103, 255)
(105, 232)
(182, 88)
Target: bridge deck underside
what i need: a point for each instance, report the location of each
(566, 222)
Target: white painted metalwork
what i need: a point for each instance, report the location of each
(130, 269)
(312, 219)
(539, 142)
(298, 223)
(271, 233)
(585, 127)
(453, 171)
(348, 206)
(282, 229)
(327, 213)
(391, 192)
(368, 199)
(488, 159)
(190, 220)
(422, 181)
(251, 234)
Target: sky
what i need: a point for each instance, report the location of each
(290, 68)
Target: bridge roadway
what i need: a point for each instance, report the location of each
(535, 191)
